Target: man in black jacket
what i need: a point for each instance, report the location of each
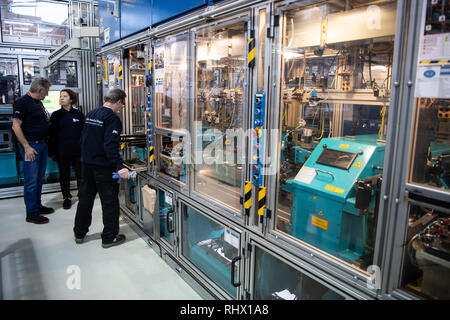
(30, 124)
(100, 158)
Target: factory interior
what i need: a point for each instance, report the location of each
(280, 149)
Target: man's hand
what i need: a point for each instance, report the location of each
(124, 173)
(30, 154)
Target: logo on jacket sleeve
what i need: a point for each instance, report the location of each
(115, 131)
(75, 120)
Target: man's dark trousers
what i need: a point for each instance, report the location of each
(97, 179)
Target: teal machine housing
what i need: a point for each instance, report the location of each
(325, 195)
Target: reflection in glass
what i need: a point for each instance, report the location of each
(431, 155)
(335, 95)
(426, 263)
(170, 87)
(220, 74)
(211, 247)
(276, 280)
(36, 22)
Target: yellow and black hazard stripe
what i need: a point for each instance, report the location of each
(251, 50)
(434, 61)
(151, 154)
(247, 197)
(262, 194)
(120, 72)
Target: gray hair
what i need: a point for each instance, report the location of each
(40, 83)
(115, 95)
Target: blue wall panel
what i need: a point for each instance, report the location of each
(166, 9)
(135, 16)
(108, 21)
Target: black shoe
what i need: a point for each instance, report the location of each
(36, 218)
(114, 242)
(67, 204)
(45, 210)
(79, 240)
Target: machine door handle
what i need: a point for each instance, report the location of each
(327, 172)
(168, 222)
(132, 194)
(233, 265)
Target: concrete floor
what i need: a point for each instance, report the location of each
(44, 262)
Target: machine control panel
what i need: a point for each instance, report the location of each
(259, 126)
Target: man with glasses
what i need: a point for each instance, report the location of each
(100, 158)
(30, 124)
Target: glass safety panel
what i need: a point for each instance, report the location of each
(171, 157)
(171, 91)
(212, 247)
(426, 261)
(277, 280)
(335, 96)
(430, 152)
(9, 77)
(220, 70)
(34, 22)
(64, 73)
(136, 65)
(166, 216)
(31, 70)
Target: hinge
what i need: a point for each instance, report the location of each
(268, 213)
(247, 295)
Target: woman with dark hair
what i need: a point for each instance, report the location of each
(66, 125)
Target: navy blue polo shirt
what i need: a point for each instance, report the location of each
(35, 119)
(100, 139)
(65, 133)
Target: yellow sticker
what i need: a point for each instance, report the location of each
(334, 189)
(320, 223)
(320, 213)
(358, 164)
(344, 146)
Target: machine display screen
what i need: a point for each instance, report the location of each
(337, 158)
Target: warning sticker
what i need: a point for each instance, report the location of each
(344, 146)
(334, 189)
(358, 164)
(320, 223)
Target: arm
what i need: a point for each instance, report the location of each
(29, 151)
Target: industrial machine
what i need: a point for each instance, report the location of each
(334, 105)
(335, 196)
(427, 261)
(8, 167)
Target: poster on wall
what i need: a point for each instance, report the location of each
(159, 69)
(433, 71)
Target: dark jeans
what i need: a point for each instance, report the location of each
(64, 174)
(33, 175)
(97, 179)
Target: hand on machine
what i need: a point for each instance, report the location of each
(124, 174)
